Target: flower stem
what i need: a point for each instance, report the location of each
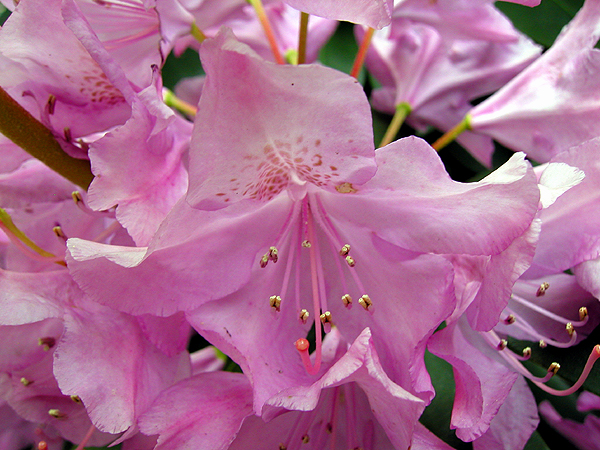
(32, 136)
(172, 101)
(362, 53)
(452, 134)
(302, 37)
(264, 21)
(402, 111)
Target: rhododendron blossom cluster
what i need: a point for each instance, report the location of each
(238, 261)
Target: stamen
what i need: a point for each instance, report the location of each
(526, 353)
(57, 413)
(542, 344)
(25, 244)
(326, 321)
(76, 398)
(264, 260)
(86, 438)
(275, 302)
(282, 447)
(47, 342)
(570, 329)
(51, 104)
(502, 344)
(304, 314)
(305, 439)
(583, 314)
(542, 289)
(345, 250)
(273, 254)
(25, 381)
(67, 134)
(42, 445)
(554, 367)
(350, 261)
(594, 355)
(306, 243)
(347, 300)
(510, 319)
(60, 233)
(366, 303)
(545, 312)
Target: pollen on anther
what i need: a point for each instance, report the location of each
(46, 343)
(347, 300)
(527, 352)
(275, 302)
(583, 313)
(510, 319)
(365, 302)
(305, 439)
(304, 314)
(57, 413)
(264, 260)
(345, 250)
(282, 447)
(502, 344)
(25, 381)
(306, 244)
(553, 368)
(76, 398)
(542, 289)
(570, 328)
(325, 317)
(542, 344)
(273, 254)
(350, 261)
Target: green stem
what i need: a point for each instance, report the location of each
(452, 134)
(172, 101)
(302, 37)
(32, 136)
(402, 111)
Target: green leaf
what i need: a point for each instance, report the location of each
(341, 49)
(536, 443)
(184, 66)
(544, 22)
(436, 416)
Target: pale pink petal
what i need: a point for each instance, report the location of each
(372, 13)
(289, 136)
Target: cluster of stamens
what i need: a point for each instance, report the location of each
(514, 359)
(301, 227)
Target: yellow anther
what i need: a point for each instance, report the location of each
(57, 413)
(282, 447)
(542, 289)
(275, 302)
(347, 300)
(365, 302)
(553, 368)
(583, 313)
(306, 243)
(273, 254)
(325, 317)
(77, 198)
(59, 232)
(527, 352)
(304, 314)
(502, 344)
(345, 250)
(345, 188)
(350, 261)
(25, 381)
(542, 344)
(570, 329)
(305, 439)
(51, 104)
(47, 342)
(264, 260)
(76, 398)
(510, 319)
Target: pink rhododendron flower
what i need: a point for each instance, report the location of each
(435, 72)
(585, 436)
(553, 104)
(372, 13)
